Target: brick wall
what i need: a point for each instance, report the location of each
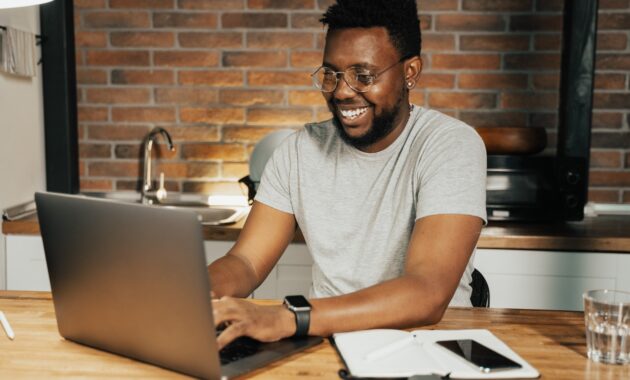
(220, 74)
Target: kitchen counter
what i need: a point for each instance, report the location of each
(593, 234)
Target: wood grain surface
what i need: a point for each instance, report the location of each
(551, 341)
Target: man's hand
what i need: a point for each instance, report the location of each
(244, 318)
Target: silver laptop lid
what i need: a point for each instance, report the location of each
(116, 275)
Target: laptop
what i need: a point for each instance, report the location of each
(132, 280)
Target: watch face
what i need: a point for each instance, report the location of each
(297, 301)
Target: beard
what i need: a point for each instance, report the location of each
(382, 125)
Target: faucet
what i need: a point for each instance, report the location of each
(147, 186)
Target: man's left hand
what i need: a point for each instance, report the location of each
(244, 318)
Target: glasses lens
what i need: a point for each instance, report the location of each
(359, 79)
(325, 79)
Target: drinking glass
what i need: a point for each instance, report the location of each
(607, 320)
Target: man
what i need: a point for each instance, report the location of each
(390, 197)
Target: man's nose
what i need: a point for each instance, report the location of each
(343, 90)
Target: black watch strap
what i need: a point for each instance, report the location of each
(303, 322)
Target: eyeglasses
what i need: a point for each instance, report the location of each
(358, 79)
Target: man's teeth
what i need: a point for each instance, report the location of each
(353, 114)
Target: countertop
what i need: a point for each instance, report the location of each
(551, 341)
(593, 234)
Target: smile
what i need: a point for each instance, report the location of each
(354, 113)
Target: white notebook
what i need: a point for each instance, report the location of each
(416, 353)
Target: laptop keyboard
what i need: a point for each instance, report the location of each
(238, 349)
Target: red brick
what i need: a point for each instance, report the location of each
(607, 119)
(547, 42)
(211, 4)
(114, 58)
(211, 78)
(88, 76)
(492, 81)
(612, 62)
(246, 134)
(436, 81)
(493, 118)
(92, 113)
(149, 4)
(614, 4)
(234, 170)
(279, 40)
(222, 188)
(253, 20)
(188, 169)
(611, 100)
(211, 40)
(617, 21)
(609, 178)
(306, 98)
(113, 169)
(628, 160)
(111, 132)
(610, 81)
(247, 97)
(143, 114)
(437, 42)
(536, 22)
(529, 100)
(460, 100)
(533, 61)
(212, 115)
(626, 197)
(194, 132)
(324, 114)
(611, 41)
(225, 152)
(603, 196)
(142, 39)
(142, 76)
(465, 61)
(307, 59)
(280, 4)
(550, 5)
(437, 5)
(426, 22)
(186, 58)
(417, 97)
(117, 95)
(185, 95)
(90, 39)
(278, 116)
(185, 20)
(88, 4)
(494, 42)
(306, 20)
(497, 5)
(95, 150)
(255, 59)
(467, 22)
(113, 20)
(324, 4)
(546, 81)
(279, 78)
(605, 159)
(611, 140)
(95, 184)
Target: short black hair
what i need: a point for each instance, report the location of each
(398, 17)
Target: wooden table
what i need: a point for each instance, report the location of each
(551, 341)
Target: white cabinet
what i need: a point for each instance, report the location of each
(549, 279)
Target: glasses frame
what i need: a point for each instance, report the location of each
(342, 74)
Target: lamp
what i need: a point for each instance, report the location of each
(4, 4)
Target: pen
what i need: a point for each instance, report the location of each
(7, 327)
(390, 348)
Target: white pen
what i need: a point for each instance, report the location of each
(7, 327)
(390, 348)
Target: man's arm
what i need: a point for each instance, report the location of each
(265, 236)
(438, 253)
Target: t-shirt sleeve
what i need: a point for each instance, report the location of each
(451, 174)
(274, 187)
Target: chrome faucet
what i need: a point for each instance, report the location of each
(147, 185)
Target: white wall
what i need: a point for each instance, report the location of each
(22, 167)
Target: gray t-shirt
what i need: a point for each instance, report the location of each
(357, 210)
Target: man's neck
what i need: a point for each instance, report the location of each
(401, 121)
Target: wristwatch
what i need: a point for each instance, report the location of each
(300, 306)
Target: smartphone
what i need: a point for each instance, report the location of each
(480, 356)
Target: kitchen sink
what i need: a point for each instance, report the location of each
(198, 203)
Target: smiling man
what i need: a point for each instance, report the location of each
(390, 197)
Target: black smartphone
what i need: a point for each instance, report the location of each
(482, 357)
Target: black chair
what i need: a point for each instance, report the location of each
(480, 296)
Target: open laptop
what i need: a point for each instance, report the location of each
(132, 280)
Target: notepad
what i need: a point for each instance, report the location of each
(366, 354)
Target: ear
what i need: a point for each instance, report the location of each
(413, 68)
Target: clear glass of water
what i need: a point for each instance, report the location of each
(607, 320)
